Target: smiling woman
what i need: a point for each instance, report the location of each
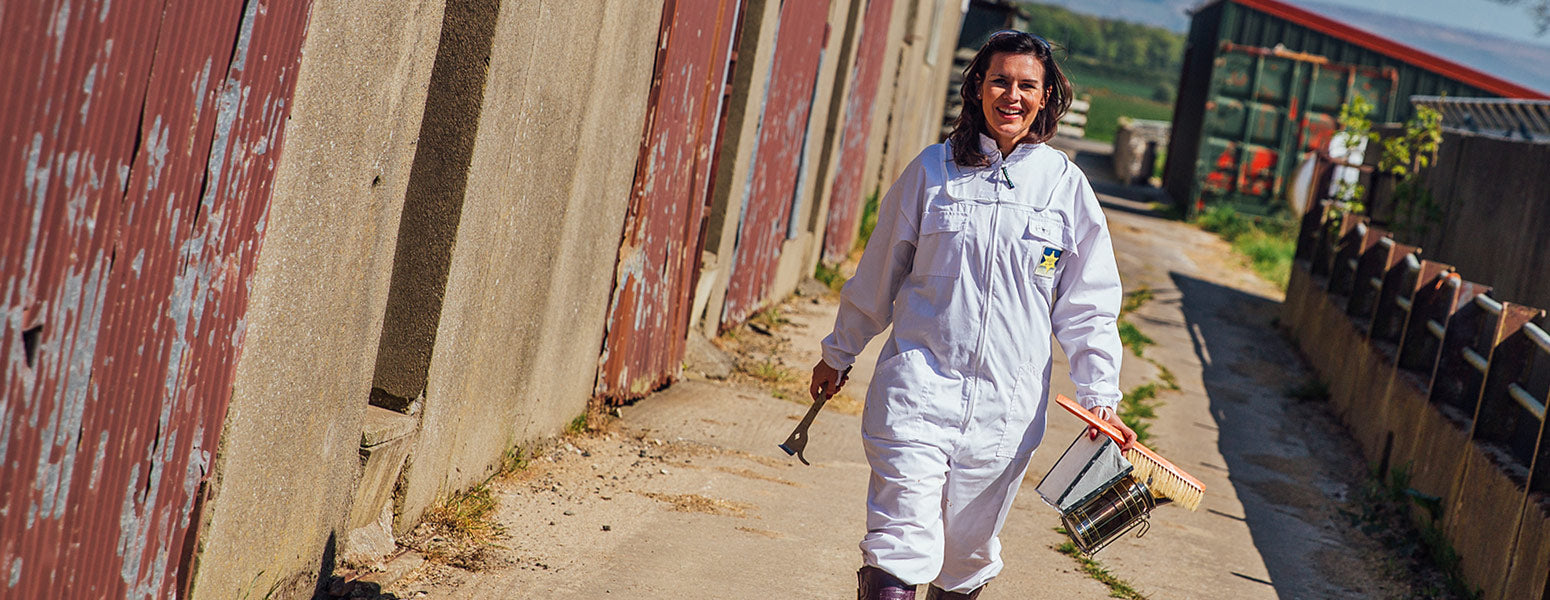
(985, 247)
(1021, 94)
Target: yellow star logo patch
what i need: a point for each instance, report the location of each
(1046, 267)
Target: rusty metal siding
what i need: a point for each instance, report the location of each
(847, 195)
(659, 257)
(777, 157)
(140, 142)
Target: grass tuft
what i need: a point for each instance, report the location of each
(830, 276)
(1137, 407)
(1118, 588)
(1136, 299)
(1268, 246)
(769, 371)
(868, 219)
(1133, 339)
(1309, 390)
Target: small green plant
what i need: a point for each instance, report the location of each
(578, 425)
(1135, 300)
(769, 371)
(829, 276)
(868, 220)
(517, 459)
(1118, 588)
(1308, 390)
(770, 318)
(466, 514)
(1356, 123)
(1268, 245)
(1165, 375)
(1132, 338)
(1404, 156)
(1137, 407)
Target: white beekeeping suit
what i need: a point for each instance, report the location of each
(975, 268)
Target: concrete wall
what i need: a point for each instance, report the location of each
(286, 465)
(930, 35)
(442, 241)
(521, 323)
(1482, 508)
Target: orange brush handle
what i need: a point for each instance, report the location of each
(1119, 438)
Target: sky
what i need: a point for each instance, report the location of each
(1485, 16)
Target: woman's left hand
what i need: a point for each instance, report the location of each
(1108, 414)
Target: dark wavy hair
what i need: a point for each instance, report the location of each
(971, 119)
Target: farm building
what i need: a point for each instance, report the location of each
(1263, 82)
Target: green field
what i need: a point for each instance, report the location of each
(1114, 96)
(1108, 107)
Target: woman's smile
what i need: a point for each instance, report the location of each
(1011, 95)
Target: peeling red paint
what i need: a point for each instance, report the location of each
(660, 254)
(140, 146)
(777, 157)
(848, 193)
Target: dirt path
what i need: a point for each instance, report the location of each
(688, 495)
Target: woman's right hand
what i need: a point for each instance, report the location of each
(827, 380)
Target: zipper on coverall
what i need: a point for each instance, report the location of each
(990, 287)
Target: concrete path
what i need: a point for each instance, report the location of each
(688, 496)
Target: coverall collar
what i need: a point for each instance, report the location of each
(989, 147)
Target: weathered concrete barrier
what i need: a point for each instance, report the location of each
(1438, 382)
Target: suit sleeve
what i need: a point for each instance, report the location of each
(866, 301)
(1086, 310)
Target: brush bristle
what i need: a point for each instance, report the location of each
(1164, 482)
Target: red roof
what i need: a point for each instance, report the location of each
(1391, 48)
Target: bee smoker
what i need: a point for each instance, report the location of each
(1098, 497)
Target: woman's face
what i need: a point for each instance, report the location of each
(1010, 96)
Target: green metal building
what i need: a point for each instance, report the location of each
(1263, 82)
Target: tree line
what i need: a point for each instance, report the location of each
(1117, 47)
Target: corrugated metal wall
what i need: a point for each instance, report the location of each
(848, 192)
(767, 209)
(659, 257)
(140, 142)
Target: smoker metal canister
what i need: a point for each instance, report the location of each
(1109, 514)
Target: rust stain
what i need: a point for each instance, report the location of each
(772, 187)
(126, 272)
(648, 317)
(848, 193)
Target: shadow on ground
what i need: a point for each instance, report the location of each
(1292, 462)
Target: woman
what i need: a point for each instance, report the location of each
(984, 246)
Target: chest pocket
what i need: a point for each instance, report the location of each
(1045, 243)
(944, 243)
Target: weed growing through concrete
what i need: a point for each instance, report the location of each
(1426, 561)
(1137, 407)
(829, 276)
(769, 371)
(1133, 339)
(1308, 390)
(1136, 299)
(1118, 588)
(770, 319)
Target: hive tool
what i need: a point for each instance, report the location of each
(797, 441)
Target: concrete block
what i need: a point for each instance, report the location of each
(386, 440)
(1527, 578)
(1481, 520)
(531, 273)
(284, 473)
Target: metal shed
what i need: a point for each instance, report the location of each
(1263, 82)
